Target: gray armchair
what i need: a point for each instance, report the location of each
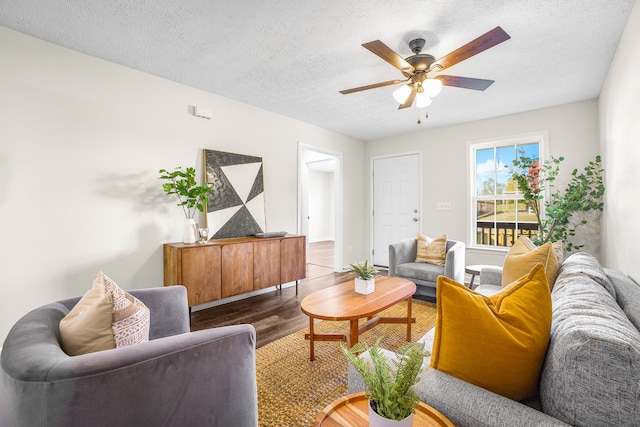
(490, 280)
(176, 378)
(402, 256)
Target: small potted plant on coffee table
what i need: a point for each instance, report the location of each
(365, 282)
(389, 384)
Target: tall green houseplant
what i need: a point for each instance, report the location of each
(182, 183)
(584, 193)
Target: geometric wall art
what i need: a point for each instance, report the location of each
(236, 208)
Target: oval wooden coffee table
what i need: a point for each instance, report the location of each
(353, 411)
(341, 302)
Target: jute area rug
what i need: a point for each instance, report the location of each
(292, 390)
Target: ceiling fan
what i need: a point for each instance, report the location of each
(416, 68)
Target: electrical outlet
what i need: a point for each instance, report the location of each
(444, 206)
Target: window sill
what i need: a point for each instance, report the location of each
(487, 250)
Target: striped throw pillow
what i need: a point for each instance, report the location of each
(432, 251)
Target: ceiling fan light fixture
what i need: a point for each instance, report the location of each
(432, 86)
(422, 100)
(402, 93)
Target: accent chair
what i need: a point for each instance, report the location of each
(178, 377)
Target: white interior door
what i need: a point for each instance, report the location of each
(396, 203)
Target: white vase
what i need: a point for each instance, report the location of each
(365, 286)
(189, 231)
(376, 420)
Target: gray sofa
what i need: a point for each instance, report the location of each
(402, 256)
(591, 374)
(204, 378)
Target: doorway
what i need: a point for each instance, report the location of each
(320, 208)
(395, 195)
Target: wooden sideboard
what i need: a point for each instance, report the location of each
(228, 267)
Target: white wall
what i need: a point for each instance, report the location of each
(573, 133)
(321, 206)
(620, 128)
(81, 143)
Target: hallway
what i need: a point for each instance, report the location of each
(320, 259)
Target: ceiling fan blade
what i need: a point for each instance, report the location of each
(465, 82)
(386, 53)
(409, 102)
(482, 43)
(373, 86)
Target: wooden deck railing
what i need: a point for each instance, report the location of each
(503, 233)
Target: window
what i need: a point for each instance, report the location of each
(498, 212)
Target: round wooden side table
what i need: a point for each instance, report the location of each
(352, 410)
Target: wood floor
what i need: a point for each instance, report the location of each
(273, 314)
(321, 253)
(276, 314)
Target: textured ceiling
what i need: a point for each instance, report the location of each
(293, 56)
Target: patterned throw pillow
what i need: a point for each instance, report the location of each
(105, 317)
(432, 251)
(131, 317)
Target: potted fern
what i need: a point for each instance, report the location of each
(364, 282)
(191, 196)
(392, 399)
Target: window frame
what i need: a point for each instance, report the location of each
(540, 137)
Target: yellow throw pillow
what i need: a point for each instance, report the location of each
(499, 342)
(105, 317)
(433, 251)
(523, 255)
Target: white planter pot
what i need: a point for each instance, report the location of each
(365, 286)
(376, 420)
(189, 231)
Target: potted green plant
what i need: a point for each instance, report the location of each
(364, 282)
(389, 384)
(191, 196)
(562, 211)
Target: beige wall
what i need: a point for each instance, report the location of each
(620, 128)
(81, 142)
(573, 133)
